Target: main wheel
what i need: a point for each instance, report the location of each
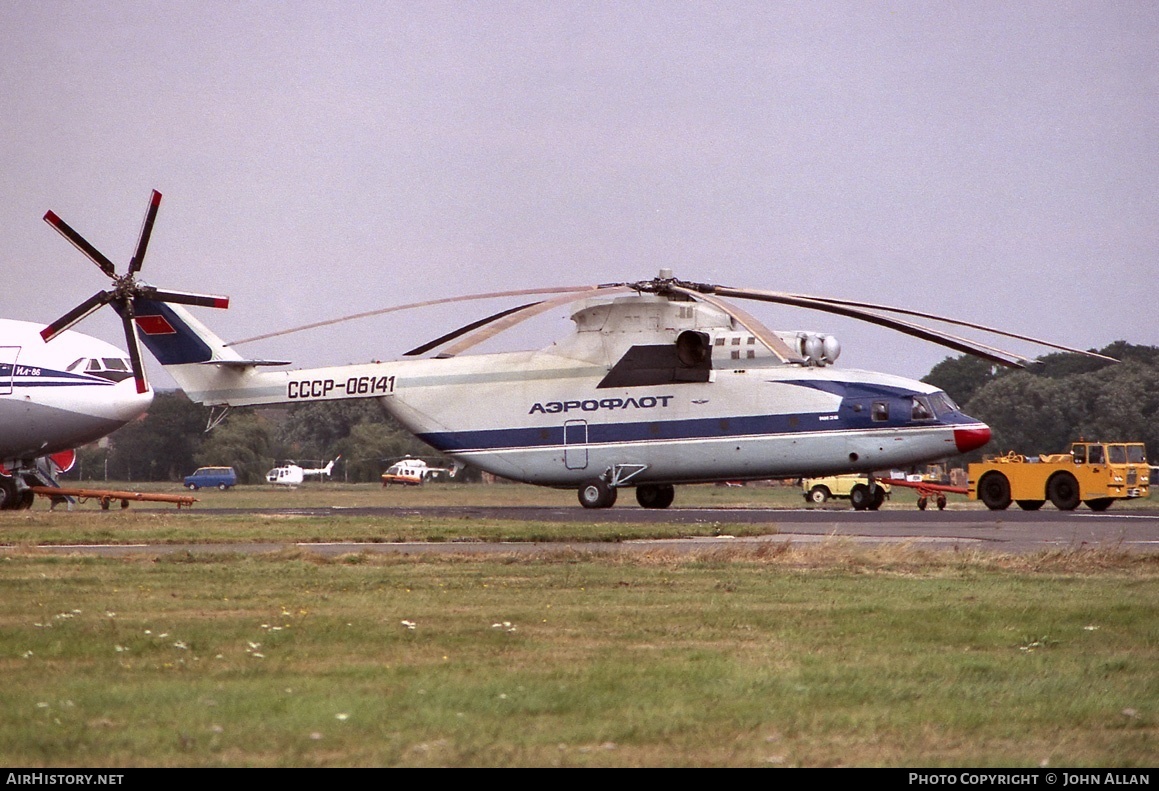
(878, 497)
(818, 495)
(1030, 505)
(860, 497)
(994, 491)
(652, 495)
(26, 499)
(9, 495)
(597, 494)
(1100, 503)
(1063, 491)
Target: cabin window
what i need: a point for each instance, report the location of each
(1080, 454)
(1116, 454)
(880, 411)
(1095, 454)
(1136, 454)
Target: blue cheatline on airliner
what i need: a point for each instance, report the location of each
(663, 382)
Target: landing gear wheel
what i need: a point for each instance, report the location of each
(1100, 503)
(9, 495)
(859, 496)
(651, 495)
(818, 495)
(878, 497)
(994, 491)
(1063, 491)
(597, 494)
(922, 503)
(941, 502)
(28, 497)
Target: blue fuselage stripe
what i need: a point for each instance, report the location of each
(668, 430)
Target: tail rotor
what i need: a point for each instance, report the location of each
(125, 289)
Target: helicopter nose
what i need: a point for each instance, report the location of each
(967, 439)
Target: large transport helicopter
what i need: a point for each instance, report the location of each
(663, 382)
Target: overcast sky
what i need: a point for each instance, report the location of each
(992, 161)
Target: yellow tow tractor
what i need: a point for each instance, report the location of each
(1095, 473)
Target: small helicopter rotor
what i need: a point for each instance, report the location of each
(125, 289)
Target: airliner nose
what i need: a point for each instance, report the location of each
(129, 404)
(967, 439)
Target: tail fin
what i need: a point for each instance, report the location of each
(203, 366)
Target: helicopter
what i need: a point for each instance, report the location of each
(663, 382)
(291, 474)
(409, 471)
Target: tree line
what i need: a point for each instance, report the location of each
(1068, 398)
(172, 441)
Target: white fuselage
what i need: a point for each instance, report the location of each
(616, 396)
(60, 395)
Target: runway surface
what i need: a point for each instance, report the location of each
(1013, 531)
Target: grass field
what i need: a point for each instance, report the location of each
(779, 656)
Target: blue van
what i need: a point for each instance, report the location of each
(206, 477)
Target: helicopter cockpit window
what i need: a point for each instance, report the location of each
(921, 409)
(880, 411)
(942, 404)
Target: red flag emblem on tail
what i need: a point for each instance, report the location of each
(155, 325)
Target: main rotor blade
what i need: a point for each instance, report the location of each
(146, 232)
(957, 322)
(134, 347)
(79, 242)
(410, 306)
(771, 341)
(450, 336)
(523, 314)
(1011, 360)
(183, 297)
(90, 305)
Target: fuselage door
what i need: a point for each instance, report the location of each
(8, 355)
(575, 444)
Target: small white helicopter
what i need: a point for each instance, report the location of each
(413, 472)
(662, 383)
(292, 475)
(53, 398)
